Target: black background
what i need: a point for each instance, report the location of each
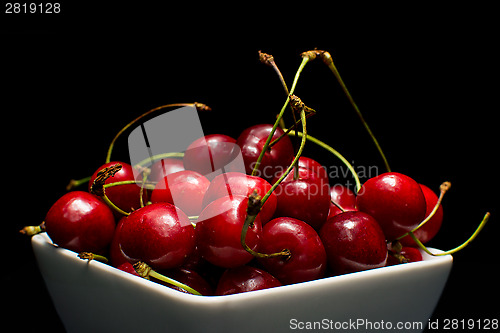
(425, 78)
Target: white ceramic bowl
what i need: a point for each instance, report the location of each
(94, 297)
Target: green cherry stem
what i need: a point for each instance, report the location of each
(327, 59)
(147, 272)
(334, 152)
(255, 202)
(305, 60)
(443, 189)
(77, 182)
(458, 248)
(198, 106)
(92, 256)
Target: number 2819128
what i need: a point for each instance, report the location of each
(32, 8)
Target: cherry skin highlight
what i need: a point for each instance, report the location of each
(218, 232)
(395, 201)
(184, 189)
(159, 234)
(308, 257)
(353, 242)
(244, 279)
(276, 159)
(80, 221)
(236, 183)
(427, 232)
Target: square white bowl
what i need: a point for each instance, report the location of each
(94, 297)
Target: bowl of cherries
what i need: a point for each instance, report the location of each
(219, 234)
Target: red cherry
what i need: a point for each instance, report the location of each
(431, 227)
(164, 168)
(159, 234)
(80, 221)
(353, 242)
(306, 199)
(125, 197)
(308, 257)
(396, 201)
(210, 153)
(314, 166)
(408, 254)
(244, 279)
(184, 189)
(236, 183)
(127, 267)
(189, 278)
(116, 257)
(343, 197)
(218, 232)
(276, 159)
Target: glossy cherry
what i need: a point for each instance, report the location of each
(159, 234)
(185, 189)
(427, 232)
(342, 196)
(190, 278)
(80, 221)
(276, 159)
(125, 197)
(164, 168)
(353, 242)
(307, 259)
(306, 198)
(210, 153)
(218, 232)
(244, 279)
(395, 200)
(237, 183)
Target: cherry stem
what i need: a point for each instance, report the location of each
(255, 202)
(334, 152)
(327, 59)
(158, 157)
(279, 117)
(198, 106)
(98, 186)
(443, 189)
(458, 248)
(92, 256)
(338, 206)
(31, 230)
(77, 182)
(145, 271)
(268, 60)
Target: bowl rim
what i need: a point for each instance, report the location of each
(42, 240)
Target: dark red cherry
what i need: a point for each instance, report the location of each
(210, 153)
(396, 201)
(342, 196)
(190, 278)
(276, 159)
(116, 257)
(306, 199)
(164, 168)
(218, 232)
(353, 242)
(431, 227)
(244, 279)
(159, 234)
(308, 257)
(237, 183)
(125, 197)
(185, 189)
(407, 254)
(80, 221)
